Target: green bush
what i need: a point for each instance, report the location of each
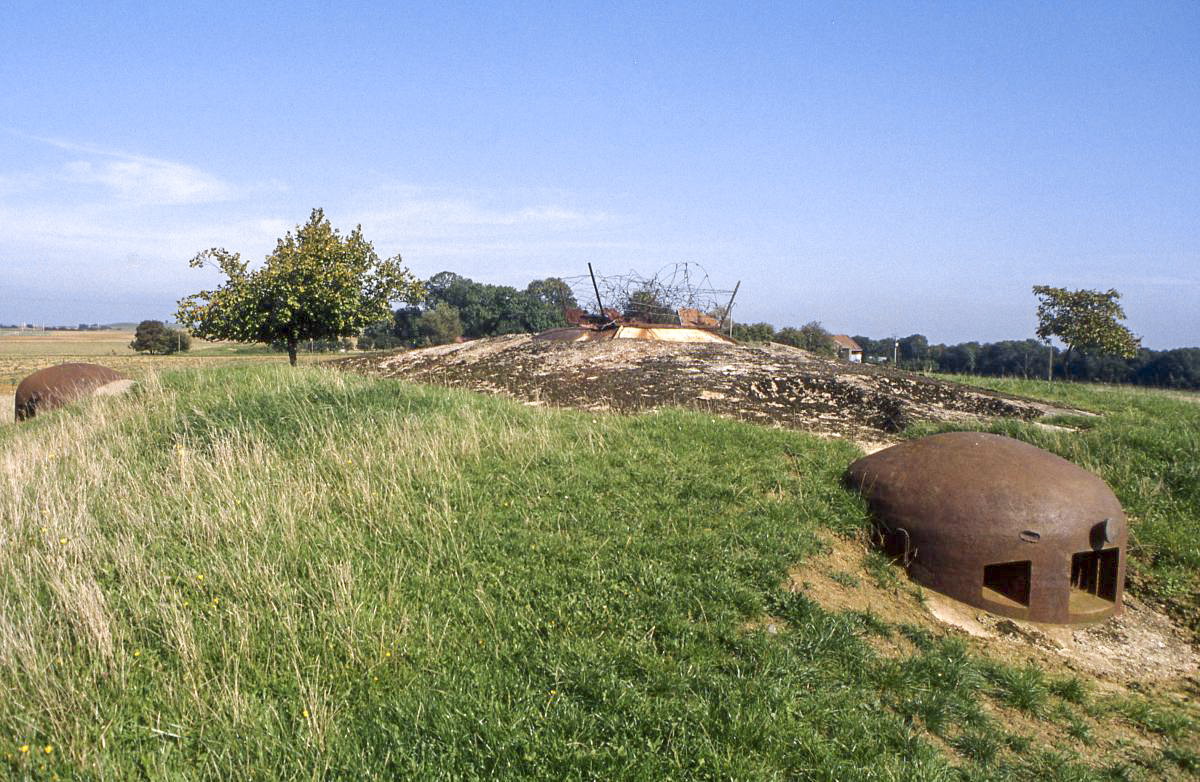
(156, 338)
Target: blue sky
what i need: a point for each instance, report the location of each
(882, 168)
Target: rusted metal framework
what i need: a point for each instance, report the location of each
(51, 388)
(657, 299)
(676, 305)
(999, 524)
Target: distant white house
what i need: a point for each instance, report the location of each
(848, 349)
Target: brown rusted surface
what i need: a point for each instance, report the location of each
(576, 316)
(693, 326)
(999, 524)
(690, 316)
(51, 388)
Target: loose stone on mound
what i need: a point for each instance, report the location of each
(51, 388)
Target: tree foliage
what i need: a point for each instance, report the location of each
(317, 284)
(439, 325)
(156, 338)
(812, 337)
(489, 310)
(1085, 320)
(647, 306)
(545, 302)
(753, 332)
(1178, 368)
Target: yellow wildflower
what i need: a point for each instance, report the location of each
(24, 748)
(48, 749)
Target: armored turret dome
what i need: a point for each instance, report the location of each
(999, 524)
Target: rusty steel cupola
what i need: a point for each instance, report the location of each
(52, 387)
(999, 524)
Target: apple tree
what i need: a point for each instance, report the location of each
(1085, 320)
(317, 284)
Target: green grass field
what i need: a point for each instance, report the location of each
(252, 572)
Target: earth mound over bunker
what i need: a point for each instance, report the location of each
(769, 384)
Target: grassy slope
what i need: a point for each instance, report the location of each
(271, 573)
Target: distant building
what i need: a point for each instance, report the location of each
(848, 349)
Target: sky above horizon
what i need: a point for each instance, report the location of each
(880, 168)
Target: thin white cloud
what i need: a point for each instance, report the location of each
(150, 181)
(99, 235)
(138, 178)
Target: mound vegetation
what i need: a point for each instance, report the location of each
(264, 573)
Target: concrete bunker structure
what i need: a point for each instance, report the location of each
(51, 388)
(999, 524)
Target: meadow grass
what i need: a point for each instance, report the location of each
(267, 573)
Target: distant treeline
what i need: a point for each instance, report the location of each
(80, 327)
(456, 306)
(1178, 368)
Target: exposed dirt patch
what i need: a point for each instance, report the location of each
(772, 384)
(1141, 647)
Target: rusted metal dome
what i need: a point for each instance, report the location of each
(53, 387)
(999, 524)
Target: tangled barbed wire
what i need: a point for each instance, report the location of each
(657, 298)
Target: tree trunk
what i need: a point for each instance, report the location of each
(291, 343)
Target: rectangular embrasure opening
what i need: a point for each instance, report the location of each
(1095, 572)
(1007, 582)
